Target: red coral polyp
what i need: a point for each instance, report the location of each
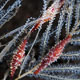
(18, 57)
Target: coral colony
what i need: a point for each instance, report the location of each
(57, 56)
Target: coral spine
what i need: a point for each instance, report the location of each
(53, 54)
(18, 57)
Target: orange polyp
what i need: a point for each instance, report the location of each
(38, 24)
(53, 54)
(45, 20)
